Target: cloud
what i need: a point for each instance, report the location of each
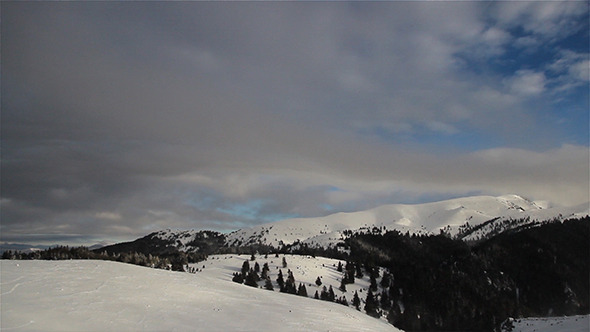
(548, 20)
(527, 83)
(124, 118)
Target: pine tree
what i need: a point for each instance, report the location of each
(342, 286)
(290, 284)
(339, 268)
(348, 273)
(331, 295)
(371, 305)
(386, 280)
(343, 301)
(251, 279)
(280, 280)
(356, 301)
(256, 267)
(268, 284)
(385, 302)
(238, 278)
(302, 291)
(324, 294)
(316, 295)
(373, 286)
(245, 268)
(318, 281)
(359, 272)
(253, 257)
(265, 270)
(394, 315)
(284, 263)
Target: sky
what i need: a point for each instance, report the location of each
(123, 118)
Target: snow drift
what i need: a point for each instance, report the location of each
(109, 296)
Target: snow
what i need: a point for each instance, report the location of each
(305, 270)
(82, 295)
(562, 324)
(427, 218)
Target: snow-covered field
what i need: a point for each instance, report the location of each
(86, 295)
(551, 324)
(306, 270)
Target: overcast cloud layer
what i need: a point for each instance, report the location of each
(122, 118)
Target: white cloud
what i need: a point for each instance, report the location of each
(580, 70)
(527, 83)
(545, 19)
(571, 70)
(108, 215)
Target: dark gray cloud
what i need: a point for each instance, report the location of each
(123, 118)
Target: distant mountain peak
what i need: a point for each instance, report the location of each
(450, 216)
(467, 218)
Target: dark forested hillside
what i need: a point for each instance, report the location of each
(443, 284)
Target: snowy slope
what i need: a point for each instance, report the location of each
(109, 296)
(427, 218)
(550, 324)
(305, 270)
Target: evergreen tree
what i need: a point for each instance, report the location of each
(253, 257)
(342, 286)
(245, 268)
(356, 301)
(331, 295)
(318, 281)
(251, 279)
(316, 295)
(371, 305)
(343, 301)
(386, 280)
(339, 268)
(256, 267)
(268, 284)
(373, 286)
(324, 294)
(280, 280)
(284, 263)
(385, 302)
(393, 317)
(359, 272)
(348, 277)
(302, 291)
(265, 270)
(256, 276)
(290, 284)
(238, 278)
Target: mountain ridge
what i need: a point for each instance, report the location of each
(447, 216)
(466, 218)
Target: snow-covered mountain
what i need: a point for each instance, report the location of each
(462, 217)
(467, 218)
(86, 295)
(169, 241)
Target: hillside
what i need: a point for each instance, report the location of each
(86, 295)
(456, 217)
(415, 282)
(468, 218)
